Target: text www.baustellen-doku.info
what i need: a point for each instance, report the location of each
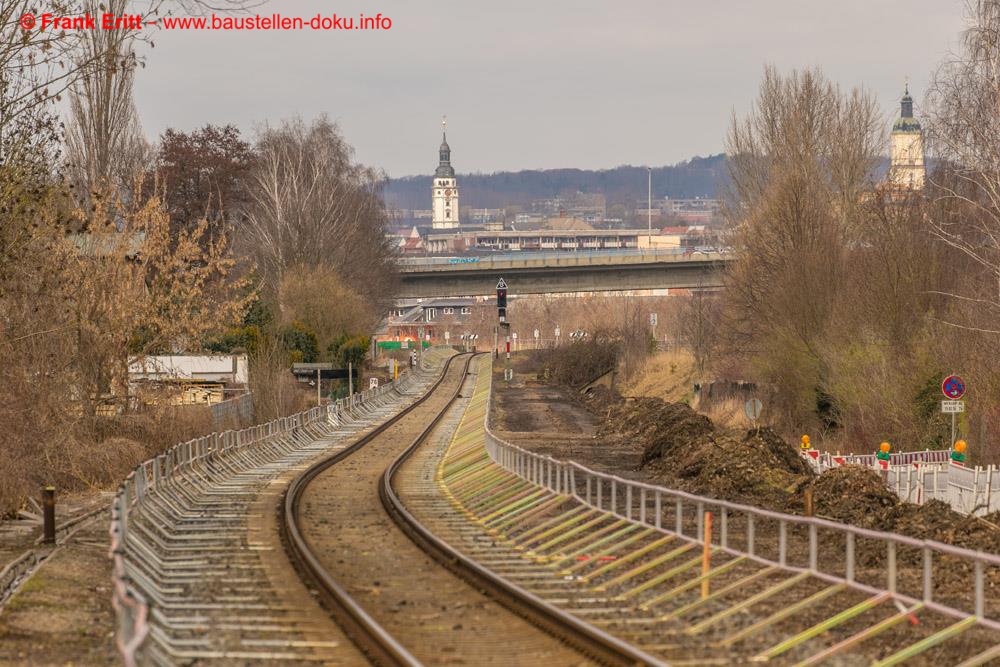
(56, 23)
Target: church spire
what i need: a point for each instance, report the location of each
(444, 187)
(906, 104)
(444, 153)
(906, 147)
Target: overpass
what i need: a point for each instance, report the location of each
(529, 272)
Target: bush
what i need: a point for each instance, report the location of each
(581, 362)
(300, 342)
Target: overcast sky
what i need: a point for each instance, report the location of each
(536, 84)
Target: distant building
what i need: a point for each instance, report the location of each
(444, 191)
(539, 239)
(413, 243)
(213, 368)
(482, 216)
(187, 379)
(431, 317)
(906, 148)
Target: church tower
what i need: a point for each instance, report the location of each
(444, 191)
(906, 148)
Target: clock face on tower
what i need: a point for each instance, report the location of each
(447, 192)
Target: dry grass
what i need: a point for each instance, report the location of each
(728, 413)
(671, 376)
(666, 375)
(93, 455)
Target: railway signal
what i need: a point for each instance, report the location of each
(502, 299)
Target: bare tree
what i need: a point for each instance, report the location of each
(310, 205)
(106, 148)
(799, 164)
(964, 131)
(698, 324)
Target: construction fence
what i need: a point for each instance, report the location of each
(917, 477)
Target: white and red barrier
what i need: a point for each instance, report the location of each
(917, 477)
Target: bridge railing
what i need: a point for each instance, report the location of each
(639, 255)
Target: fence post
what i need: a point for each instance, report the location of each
(49, 515)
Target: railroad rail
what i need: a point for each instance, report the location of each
(374, 640)
(399, 607)
(435, 512)
(189, 561)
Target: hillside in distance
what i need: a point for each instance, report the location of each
(697, 177)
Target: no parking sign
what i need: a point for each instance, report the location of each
(953, 387)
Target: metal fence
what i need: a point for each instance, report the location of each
(237, 410)
(908, 570)
(206, 459)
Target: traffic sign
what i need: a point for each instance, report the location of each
(752, 408)
(952, 407)
(953, 387)
(652, 319)
(501, 284)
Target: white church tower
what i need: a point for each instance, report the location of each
(906, 149)
(444, 191)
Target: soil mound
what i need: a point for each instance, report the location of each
(935, 520)
(773, 445)
(684, 449)
(853, 494)
(675, 427)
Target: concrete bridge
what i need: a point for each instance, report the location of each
(529, 272)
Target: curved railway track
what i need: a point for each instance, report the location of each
(620, 590)
(459, 612)
(593, 642)
(364, 630)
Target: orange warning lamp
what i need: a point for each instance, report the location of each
(883, 451)
(805, 442)
(958, 452)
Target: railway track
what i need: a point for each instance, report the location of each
(389, 518)
(403, 607)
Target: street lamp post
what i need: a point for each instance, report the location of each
(649, 206)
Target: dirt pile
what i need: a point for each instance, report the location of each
(857, 495)
(853, 494)
(935, 520)
(754, 468)
(684, 449)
